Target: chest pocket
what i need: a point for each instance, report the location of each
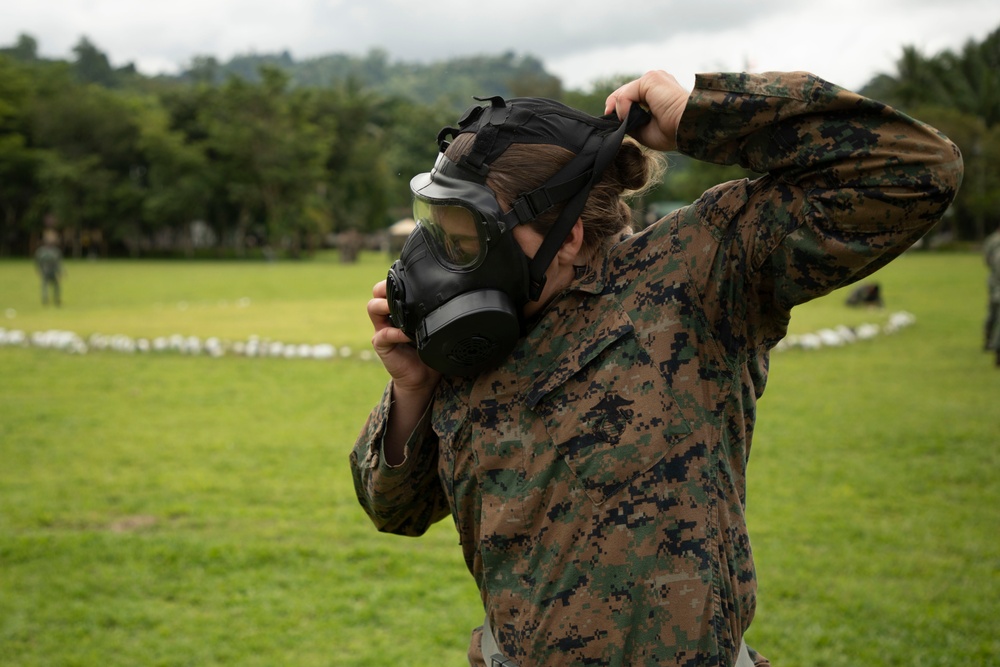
(608, 411)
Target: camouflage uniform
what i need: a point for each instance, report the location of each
(597, 476)
(991, 253)
(48, 262)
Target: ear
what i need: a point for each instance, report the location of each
(572, 247)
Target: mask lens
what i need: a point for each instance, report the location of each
(453, 232)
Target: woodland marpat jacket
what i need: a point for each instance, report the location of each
(597, 476)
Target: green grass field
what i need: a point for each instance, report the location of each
(161, 509)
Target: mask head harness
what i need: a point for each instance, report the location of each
(462, 281)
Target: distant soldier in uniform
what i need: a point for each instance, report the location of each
(48, 263)
(991, 253)
(581, 400)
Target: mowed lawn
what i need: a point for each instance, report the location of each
(168, 509)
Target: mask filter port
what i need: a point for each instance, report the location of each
(396, 296)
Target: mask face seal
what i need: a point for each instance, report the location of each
(459, 287)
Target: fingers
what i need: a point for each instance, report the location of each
(387, 338)
(378, 307)
(378, 313)
(391, 345)
(665, 98)
(621, 100)
(650, 89)
(402, 361)
(386, 334)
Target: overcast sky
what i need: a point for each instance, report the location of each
(845, 41)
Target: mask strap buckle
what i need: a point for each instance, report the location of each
(605, 152)
(533, 204)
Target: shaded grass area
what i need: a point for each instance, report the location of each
(169, 510)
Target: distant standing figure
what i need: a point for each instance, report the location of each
(991, 252)
(48, 262)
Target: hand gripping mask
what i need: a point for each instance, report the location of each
(461, 282)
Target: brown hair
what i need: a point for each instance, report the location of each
(524, 167)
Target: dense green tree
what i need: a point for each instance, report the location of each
(285, 153)
(968, 81)
(268, 153)
(204, 70)
(411, 147)
(177, 180)
(353, 121)
(92, 65)
(25, 49)
(18, 161)
(93, 168)
(959, 93)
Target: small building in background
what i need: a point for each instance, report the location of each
(398, 234)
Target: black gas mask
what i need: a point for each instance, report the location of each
(461, 282)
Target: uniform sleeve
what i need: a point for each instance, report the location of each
(404, 499)
(848, 183)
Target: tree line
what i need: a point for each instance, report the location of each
(124, 164)
(957, 92)
(266, 155)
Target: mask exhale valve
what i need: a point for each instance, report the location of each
(469, 331)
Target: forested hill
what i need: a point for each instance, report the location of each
(449, 82)
(446, 82)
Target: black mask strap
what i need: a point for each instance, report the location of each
(605, 150)
(495, 128)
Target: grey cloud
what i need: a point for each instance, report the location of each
(425, 31)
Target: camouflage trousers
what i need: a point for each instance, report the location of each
(992, 325)
(53, 284)
(494, 658)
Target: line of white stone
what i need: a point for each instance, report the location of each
(254, 346)
(845, 335)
